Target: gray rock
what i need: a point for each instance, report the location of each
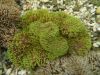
(22, 72)
(8, 71)
(96, 44)
(44, 0)
(98, 29)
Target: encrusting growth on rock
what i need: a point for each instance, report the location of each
(46, 36)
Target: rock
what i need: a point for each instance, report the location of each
(92, 11)
(98, 29)
(44, 0)
(44, 7)
(60, 2)
(95, 38)
(51, 7)
(22, 72)
(94, 28)
(77, 7)
(27, 6)
(8, 71)
(97, 44)
(98, 10)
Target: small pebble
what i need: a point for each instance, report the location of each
(44, 7)
(44, 0)
(97, 44)
(22, 72)
(98, 29)
(94, 28)
(8, 71)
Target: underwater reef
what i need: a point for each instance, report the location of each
(45, 36)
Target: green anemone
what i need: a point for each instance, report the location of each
(46, 36)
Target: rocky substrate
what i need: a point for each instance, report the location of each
(72, 65)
